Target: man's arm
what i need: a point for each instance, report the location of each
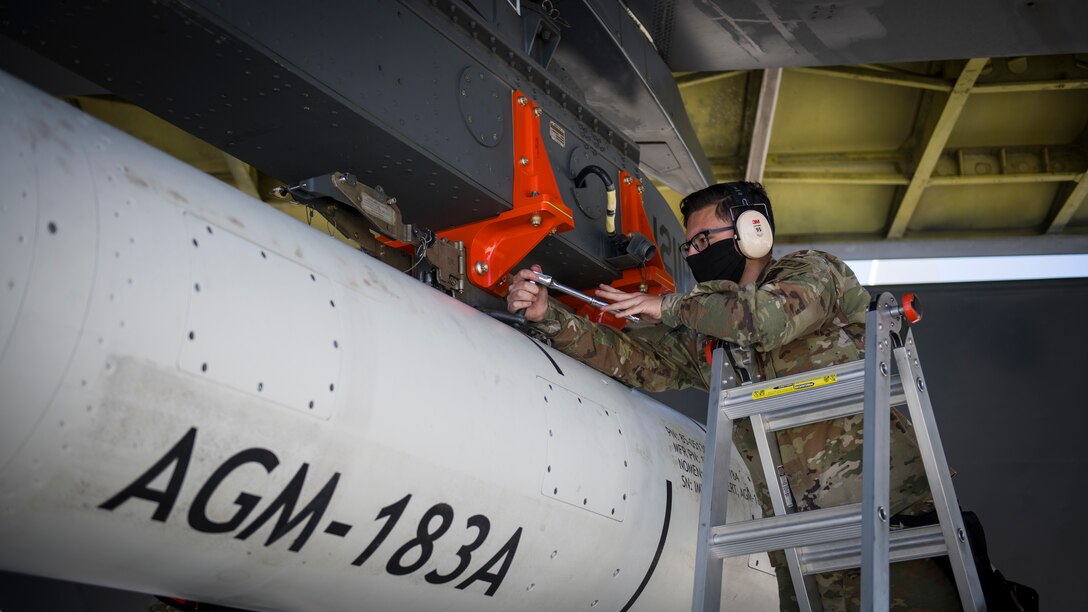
(654, 363)
(795, 303)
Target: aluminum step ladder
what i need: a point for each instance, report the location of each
(830, 539)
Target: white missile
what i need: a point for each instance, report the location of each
(202, 398)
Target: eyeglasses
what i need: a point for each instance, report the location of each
(701, 240)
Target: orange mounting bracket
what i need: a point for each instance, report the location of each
(651, 278)
(494, 246)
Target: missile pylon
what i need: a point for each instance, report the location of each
(203, 398)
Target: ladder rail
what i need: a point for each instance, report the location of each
(712, 508)
(876, 457)
(939, 476)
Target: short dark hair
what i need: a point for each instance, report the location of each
(720, 195)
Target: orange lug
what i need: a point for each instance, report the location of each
(494, 246)
(912, 307)
(399, 245)
(652, 278)
(633, 215)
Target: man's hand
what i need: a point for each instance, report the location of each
(648, 307)
(528, 295)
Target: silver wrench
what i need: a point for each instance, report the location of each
(550, 283)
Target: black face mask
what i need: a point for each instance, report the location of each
(720, 261)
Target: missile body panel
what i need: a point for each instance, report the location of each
(203, 398)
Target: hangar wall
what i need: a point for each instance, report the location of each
(1006, 365)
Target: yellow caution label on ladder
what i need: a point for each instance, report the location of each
(798, 386)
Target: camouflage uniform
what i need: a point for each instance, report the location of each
(806, 311)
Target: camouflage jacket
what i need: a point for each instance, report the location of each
(806, 311)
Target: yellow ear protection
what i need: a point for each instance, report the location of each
(752, 231)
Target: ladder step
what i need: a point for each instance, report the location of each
(789, 531)
(903, 545)
(802, 399)
(828, 539)
(834, 408)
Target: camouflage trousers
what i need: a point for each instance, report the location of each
(823, 465)
(916, 586)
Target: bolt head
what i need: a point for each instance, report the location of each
(643, 287)
(640, 189)
(538, 111)
(481, 267)
(961, 535)
(535, 220)
(522, 100)
(524, 161)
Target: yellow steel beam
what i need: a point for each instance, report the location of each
(932, 152)
(834, 178)
(728, 175)
(699, 78)
(761, 131)
(1004, 179)
(804, 159)
(1071, 205)
(835, 159)
(879, 76)
(876, 178)
(886, 69)
(1031, 86)
(877, 168)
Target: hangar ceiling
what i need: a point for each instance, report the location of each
(956, 150)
